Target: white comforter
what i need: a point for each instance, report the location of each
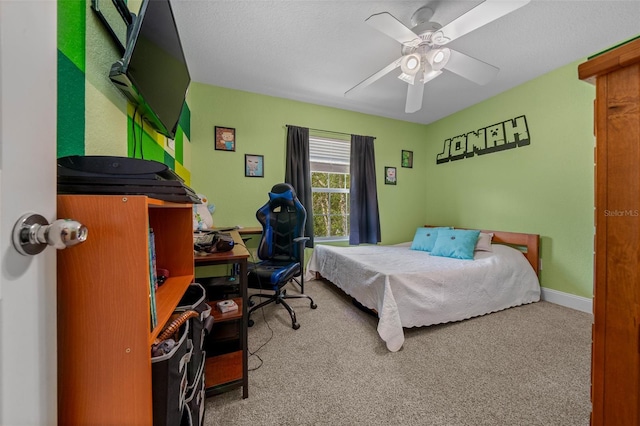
(410, 288)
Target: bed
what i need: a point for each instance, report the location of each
(412, 288)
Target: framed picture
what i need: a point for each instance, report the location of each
(225, 138)
(253, 165)
(407, 159)
(390, 176)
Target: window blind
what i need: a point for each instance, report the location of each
(332, 151)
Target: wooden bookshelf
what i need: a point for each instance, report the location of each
(104, 322)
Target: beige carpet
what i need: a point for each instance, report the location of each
(528, 365)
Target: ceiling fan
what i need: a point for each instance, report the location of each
(424, 56)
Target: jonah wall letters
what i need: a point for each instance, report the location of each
(508, 134)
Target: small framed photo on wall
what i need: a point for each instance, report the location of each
(225, 138)
(253, 165)
(407, 159)
(390, 176)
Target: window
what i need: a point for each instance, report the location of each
(330, 179)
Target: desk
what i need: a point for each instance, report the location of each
(250, 230)
(229, 370)
(244, 231)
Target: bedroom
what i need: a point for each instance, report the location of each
(461, 199)
(556, 168)
(549, 190)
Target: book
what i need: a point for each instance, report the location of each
(153, 280)
(225, 306)
(154, 267)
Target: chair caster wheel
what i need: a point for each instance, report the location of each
(313, 305)
(250, 323)
(295, 326)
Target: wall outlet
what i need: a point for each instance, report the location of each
(171, 144)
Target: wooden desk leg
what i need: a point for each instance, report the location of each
(244, 331)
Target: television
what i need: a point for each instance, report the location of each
(153, 72)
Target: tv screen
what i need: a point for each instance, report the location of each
(153, 72)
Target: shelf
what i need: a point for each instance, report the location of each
(228, 316)
(223, 369)
(224, 331)
(167, 297)
(226, 345)
(104, 323)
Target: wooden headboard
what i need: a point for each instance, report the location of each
(529, 244)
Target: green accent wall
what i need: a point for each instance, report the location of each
(71, 31)
(71, 70)
(260, 129)
(94, 118)
(544, 188)
(71, 105)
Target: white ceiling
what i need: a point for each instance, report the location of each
(314, 51)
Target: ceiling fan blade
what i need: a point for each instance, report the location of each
(485, 12)
(387, 24)
(367, 81)
(471, 68)
(414, 97)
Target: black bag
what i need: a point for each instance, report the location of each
(169, 381)
(194, 300)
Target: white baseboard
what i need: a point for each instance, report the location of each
(572, 301)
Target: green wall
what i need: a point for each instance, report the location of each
(544, 188)
(94, 118)
(260, 129)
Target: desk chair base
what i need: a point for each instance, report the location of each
(279, 298)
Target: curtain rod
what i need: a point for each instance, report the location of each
(328, 131)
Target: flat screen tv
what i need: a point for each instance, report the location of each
(153, 72)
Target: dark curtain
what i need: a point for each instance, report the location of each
(365, 218)
(298, 172)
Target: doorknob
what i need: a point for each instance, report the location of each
(32, 233)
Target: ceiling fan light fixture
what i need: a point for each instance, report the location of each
(438, 58)
(438, 38)
(423, 53)
(407, 78)
(430, 75)
(410, 64)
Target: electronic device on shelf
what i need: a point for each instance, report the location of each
(225, 306)
(212, 242)
(108, 166)
(153, 72)
(110, 175)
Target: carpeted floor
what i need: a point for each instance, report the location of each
(527, 365)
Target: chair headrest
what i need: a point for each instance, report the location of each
(280, 188)
(282, 193)
(284, 196)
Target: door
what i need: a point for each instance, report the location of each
(28, 76)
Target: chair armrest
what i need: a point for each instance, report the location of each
(301, 241)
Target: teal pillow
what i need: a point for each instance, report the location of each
(458, 244)
(425, 238)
